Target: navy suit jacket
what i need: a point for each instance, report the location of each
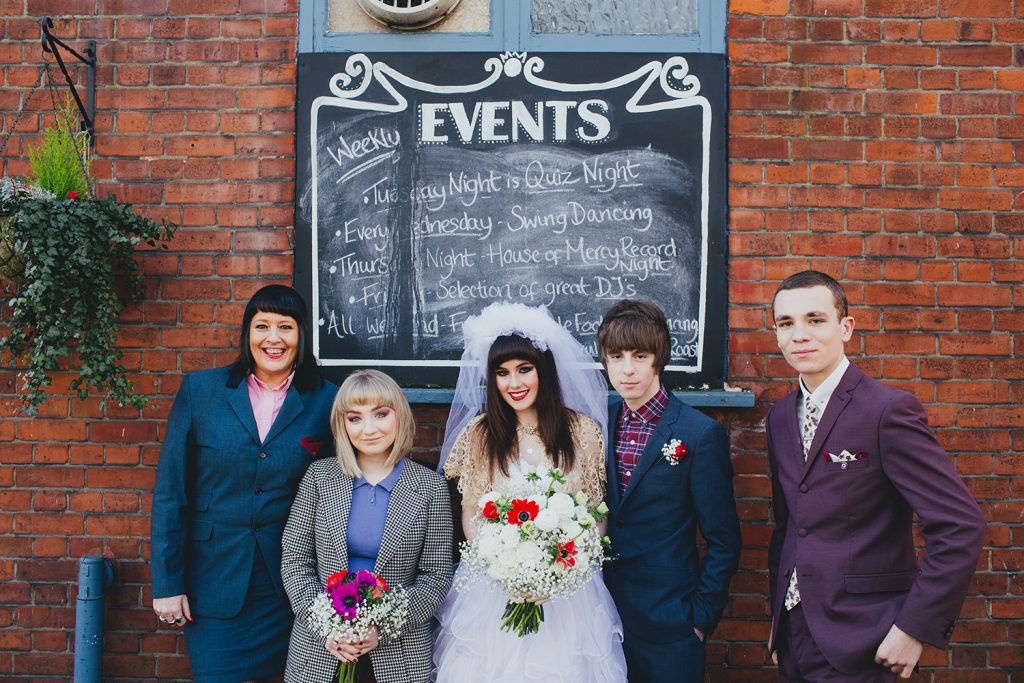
(660, 587)
(220, 491)
(847, 526)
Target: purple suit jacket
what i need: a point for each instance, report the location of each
(847, 527)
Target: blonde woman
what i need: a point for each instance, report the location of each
(370, 508)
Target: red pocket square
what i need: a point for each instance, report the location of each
(312, 444)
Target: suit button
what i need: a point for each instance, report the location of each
(262, 455)
(801, 532)
(259, 492)
(803, 488)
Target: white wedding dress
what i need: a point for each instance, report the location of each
(579, 641)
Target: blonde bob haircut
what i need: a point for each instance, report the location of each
(375, 389)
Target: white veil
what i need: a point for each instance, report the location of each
(583, 386)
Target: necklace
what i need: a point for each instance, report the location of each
(532, 430)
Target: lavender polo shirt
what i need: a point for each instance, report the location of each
(366, 520)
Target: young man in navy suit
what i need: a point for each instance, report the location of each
(852, 460)
(669, 475)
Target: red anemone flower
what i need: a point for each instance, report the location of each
(522, 511)
(566, 554)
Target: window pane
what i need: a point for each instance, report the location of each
(615, 17)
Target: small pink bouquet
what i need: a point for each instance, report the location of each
(354, 602)
(538, 541)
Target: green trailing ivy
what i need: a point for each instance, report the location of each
(74, 252)
(65, 251)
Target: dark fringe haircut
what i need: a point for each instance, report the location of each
(555, 421)
(635, 325)
(282, 300)
(806, 279)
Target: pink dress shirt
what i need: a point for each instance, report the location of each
(266, 402)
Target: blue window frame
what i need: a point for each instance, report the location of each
(510, 29)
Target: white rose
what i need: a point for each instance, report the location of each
(541, 501)
(509, 536)
(562, 504)
(529, 553)
(544, 481)
(488, 497)
(500, 570)
(571, 528)
(488, 545)
(547, 520)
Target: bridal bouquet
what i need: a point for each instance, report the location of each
(354, 602)
(538, 542)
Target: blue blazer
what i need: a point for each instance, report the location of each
(220, 491)
(660, 588)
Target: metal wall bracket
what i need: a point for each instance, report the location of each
(50, 44)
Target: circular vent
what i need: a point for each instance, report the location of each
(408, 14)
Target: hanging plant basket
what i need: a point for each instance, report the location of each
(71, 257)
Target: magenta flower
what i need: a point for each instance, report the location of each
(365, 579)
(346, 601)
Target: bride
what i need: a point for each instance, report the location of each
(543, 403)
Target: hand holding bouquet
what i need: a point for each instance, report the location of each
(351, 605)
(538, 542)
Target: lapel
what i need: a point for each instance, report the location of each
(337, 491)
(405, 503)
(789, 437)
(836, 405)
(291, 408)
(652, 452)
(238, 397)
(610, 465)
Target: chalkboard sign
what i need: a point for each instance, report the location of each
(433, 184)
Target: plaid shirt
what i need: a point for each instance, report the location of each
(634, 431)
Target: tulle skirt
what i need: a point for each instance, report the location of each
(579, 641)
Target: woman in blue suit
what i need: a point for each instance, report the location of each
(238, 442)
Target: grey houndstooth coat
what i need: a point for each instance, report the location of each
(415, 552)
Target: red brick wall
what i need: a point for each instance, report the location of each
(878, 140)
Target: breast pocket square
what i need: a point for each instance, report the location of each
(312, 444)
(845, 456)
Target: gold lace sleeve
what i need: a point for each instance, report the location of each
(589, 470)
(466, 462)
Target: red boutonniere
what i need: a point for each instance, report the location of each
(490, 510)
(674, 451)
(312, 444)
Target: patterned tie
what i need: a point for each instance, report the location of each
(810, 423)
(810, 426)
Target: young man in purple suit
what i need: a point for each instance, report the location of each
(669, 475)
(852, 461)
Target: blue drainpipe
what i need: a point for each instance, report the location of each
(95, 575)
